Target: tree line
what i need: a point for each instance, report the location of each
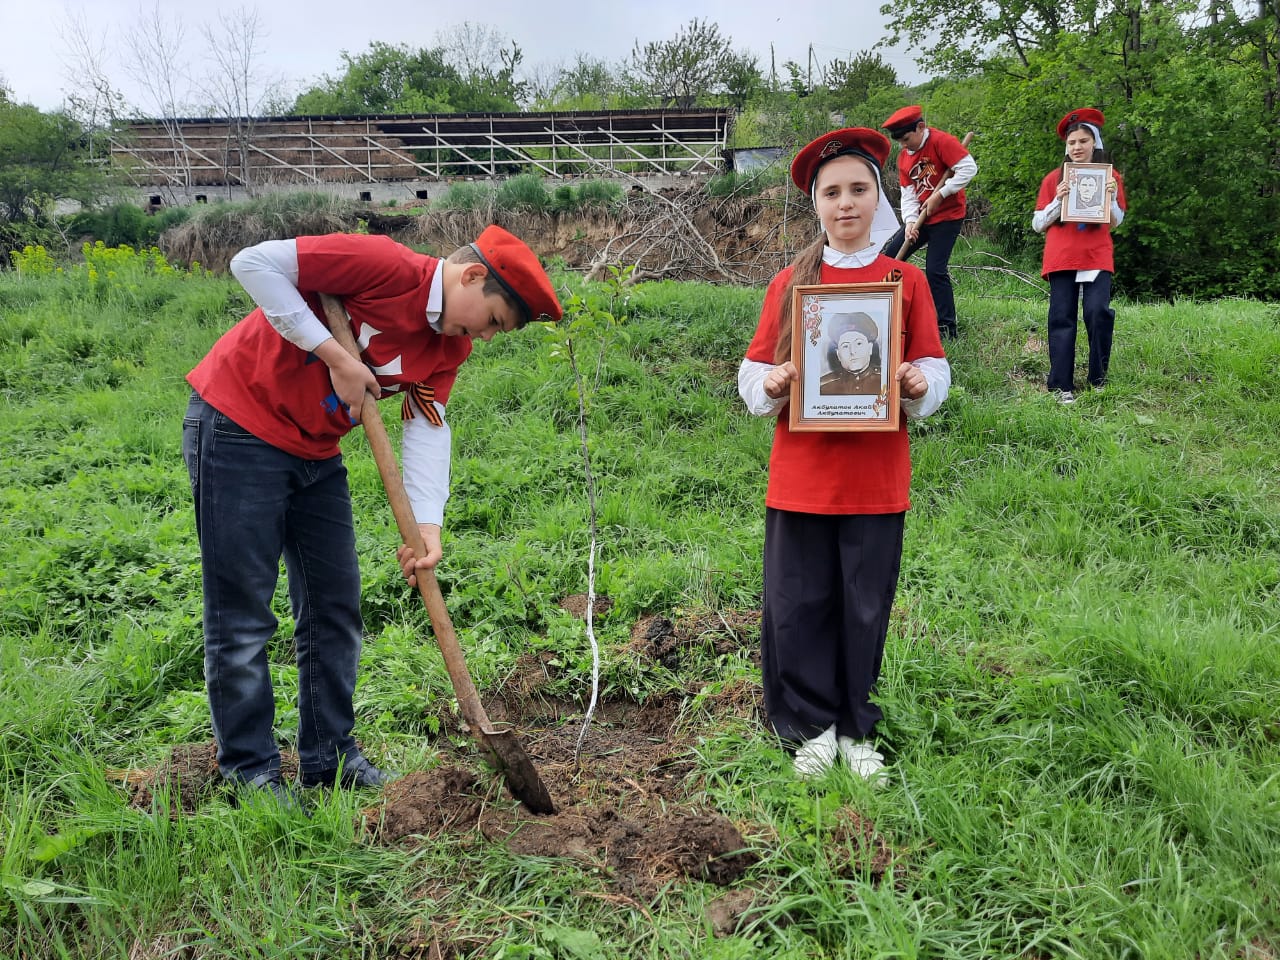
(1190, 88)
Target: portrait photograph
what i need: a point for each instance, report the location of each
(1086, 193)
(846, 343)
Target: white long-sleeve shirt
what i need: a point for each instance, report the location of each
(1042, 220)
(1045, 218)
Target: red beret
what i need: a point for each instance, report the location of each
(851, 141)
(905, 118)
(517, 268)
(1087, 115)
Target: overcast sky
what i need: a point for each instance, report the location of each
(303, 39)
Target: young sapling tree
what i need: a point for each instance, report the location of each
(593, 319)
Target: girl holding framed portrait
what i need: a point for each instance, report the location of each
(837, 498)
(1076, 212)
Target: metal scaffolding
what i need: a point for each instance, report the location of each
(377, 149)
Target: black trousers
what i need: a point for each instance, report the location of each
(940, 238)
(829, 584)
(1065, 297)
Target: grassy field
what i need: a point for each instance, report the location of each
(1081, 690)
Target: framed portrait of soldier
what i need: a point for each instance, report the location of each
(1086, 193)
(846, 343)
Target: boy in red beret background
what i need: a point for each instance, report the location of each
(836, 501)
(269, 403)
(1078, 260)
(933, 169)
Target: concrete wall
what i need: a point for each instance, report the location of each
(402, 192)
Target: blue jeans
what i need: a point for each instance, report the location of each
(255, 503)
(1099, 323)
(940, 239)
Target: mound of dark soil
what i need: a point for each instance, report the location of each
(641, 851)
(630, 805)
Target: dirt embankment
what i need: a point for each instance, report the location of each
(678, 235)
(673, 234)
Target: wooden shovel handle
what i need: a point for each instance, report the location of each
(428, 587)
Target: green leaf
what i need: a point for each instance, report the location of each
(55, 845)
(38, 888)
(578, 943)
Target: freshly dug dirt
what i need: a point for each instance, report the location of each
(631, 807)
(641, 851)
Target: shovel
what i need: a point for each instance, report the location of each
(501, 747)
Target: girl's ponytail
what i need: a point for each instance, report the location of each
(806, 269)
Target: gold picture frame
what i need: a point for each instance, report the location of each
(846, 343)
(1087, 200)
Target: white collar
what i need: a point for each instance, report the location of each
(435, 297)
(847, 261)
(923, 141)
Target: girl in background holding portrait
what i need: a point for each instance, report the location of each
(1078, 260)
(836, 501)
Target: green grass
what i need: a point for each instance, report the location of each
(1080, 688)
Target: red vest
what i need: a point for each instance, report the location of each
(283, 395)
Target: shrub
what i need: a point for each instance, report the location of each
(126, 224)
(466, 196)
(591, 194)
(599, 193)
(562, 198)
(524, 193)
(214, 235)
(734, 184)
(16, 235)
(33, 261)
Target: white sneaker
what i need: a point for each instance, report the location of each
(862, 758)
(815, 757)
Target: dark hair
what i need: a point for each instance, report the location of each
(492, 284)
(897, 133)
(1099, 156)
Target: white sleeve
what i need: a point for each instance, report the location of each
(268, 272)
(1117, 215)
(965, 171)
(751, 374)
(1046, 218)
(937, 372)
(425, 457)
(910, 204)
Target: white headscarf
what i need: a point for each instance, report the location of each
(884, 223)
(1097, 135)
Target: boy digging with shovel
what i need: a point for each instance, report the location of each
(269, 403)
